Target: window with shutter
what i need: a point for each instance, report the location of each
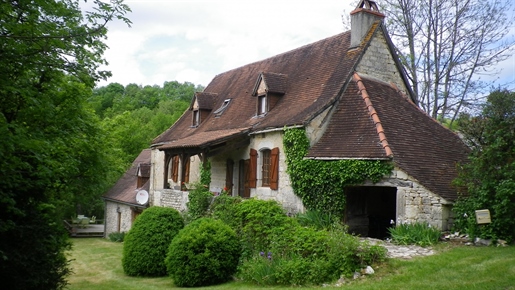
(265, 167)
(274, 169)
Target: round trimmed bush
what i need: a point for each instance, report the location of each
(147, 242)
(205, 252)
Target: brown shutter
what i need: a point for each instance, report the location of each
(274, 169)
(253, 168)
(187, 170)
(175, 168)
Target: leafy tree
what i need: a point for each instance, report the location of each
(49, 54)
(488, 180)
(446, 46)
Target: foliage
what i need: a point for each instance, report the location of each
(146, 244)
(51, 146)
(317, 219)
(205, 173)
(117, 237)
(321, 184)
(205, 252)
(488, 180)
(225, 208)
(303, 256)
(256, 223)
(199, 199)
(421, 234)
(447, 46)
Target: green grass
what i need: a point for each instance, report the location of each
(97, 265)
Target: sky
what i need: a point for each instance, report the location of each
(194, 40)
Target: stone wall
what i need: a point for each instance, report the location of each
(415, 203)
(111, 217)
(377, 62)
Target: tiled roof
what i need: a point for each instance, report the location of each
(421, 146)
(310, 76)
(276, 83)
(205, 100)
(124, 191)
(204, 139)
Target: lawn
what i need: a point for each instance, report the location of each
(96, 264)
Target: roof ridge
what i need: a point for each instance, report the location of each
(373, 114)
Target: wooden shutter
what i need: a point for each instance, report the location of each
(253, 168)
(274, 169)
(175, 168)
(187, 170)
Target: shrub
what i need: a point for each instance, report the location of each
(317, 219)
(421, 234)
(225, 208)
(146, 244)
(257, 221)
(303, 256)
(205, 252)
(199, 200)
(117, 237)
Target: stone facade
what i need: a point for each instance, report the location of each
(119, 217)
(377, 62)
(415, 203)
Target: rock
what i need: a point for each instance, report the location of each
(483, 242)
(369, 270)
(356, 275)
(502, 243)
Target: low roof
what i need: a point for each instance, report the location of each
(125, 189)
(419, 145)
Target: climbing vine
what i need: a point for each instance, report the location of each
(321, 184)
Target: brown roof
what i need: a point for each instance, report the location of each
(420, 146)
(205, 100)
(124, 191)
(310, 77)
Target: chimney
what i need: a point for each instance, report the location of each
(361, 19)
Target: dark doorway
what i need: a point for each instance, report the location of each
(243, 178)
(370, 210)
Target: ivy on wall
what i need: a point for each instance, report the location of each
(321, 184)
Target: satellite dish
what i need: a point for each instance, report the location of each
(142, 197)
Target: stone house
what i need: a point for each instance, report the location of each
(352, 98)
(129, 196)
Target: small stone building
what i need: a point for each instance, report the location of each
(350, 95)
(126, 199)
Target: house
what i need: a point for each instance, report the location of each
(129, 196)
(350, 95)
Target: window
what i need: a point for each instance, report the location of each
(173, 168)
(265, 169)
(196, 118)
(262, 105)
(224, 106)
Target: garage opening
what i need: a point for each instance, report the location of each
(370, 210)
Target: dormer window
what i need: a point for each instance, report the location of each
(262, 105)
(268, 89)
(196, 118)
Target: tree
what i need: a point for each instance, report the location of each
(447, 46)
(50, 157)
(488, 180)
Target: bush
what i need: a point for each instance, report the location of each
(205, 252)
(257, 221)
(199, 200)
(303, 256)
(146, 244)
(225, 208)
(317, 219)
(421, 234)
(117, 237)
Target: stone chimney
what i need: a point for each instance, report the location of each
(361, 19)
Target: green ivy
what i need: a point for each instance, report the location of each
(205, 173)
(321, 184)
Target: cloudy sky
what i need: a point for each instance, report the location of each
(194, 40)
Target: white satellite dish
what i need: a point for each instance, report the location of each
(142, 197)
